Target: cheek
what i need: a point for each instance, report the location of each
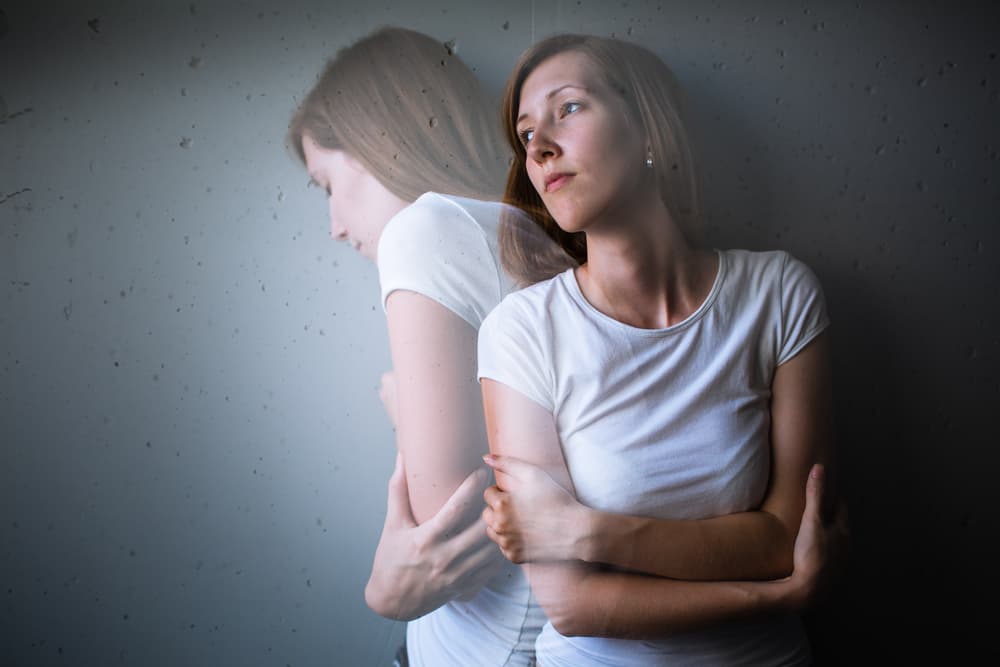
(535, 175)
(342, 199)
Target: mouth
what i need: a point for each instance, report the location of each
(555, 181)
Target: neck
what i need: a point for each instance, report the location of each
(643, 272)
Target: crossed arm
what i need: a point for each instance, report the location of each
(715, 565)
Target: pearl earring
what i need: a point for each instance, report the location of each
(649, 161)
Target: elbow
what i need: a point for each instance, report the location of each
(569, 626)
(773, 563)
(385, 605)
(570, 605)
(374, 600)
(579, 621)
(570, 619)
(783, 567)
(775, 553)
(783, 557)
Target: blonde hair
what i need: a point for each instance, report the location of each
(411, 112)
(651, 95)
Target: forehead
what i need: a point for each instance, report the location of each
(567, 68)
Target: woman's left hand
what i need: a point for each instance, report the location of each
(418, 568)
(822, 545)
(530, 516)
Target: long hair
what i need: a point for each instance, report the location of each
(652, 97)
(411, 112)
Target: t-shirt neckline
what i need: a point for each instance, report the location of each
(570, 281)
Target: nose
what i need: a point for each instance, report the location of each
(543, 145)
(338, 232)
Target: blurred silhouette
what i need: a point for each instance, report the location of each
(406, 145)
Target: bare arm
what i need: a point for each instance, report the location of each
(441, 439)
(439, 427)
(746, 545)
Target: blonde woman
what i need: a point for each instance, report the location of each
(399, 135)
(653, 413)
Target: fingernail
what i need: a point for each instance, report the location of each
(489, 459)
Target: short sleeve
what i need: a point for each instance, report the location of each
(511, 355)
(434, 247)
(803, 308)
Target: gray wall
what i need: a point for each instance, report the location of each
(193, 453)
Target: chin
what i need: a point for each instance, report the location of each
(571, 222)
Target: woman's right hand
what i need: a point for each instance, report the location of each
(530, 516)
(418, 568)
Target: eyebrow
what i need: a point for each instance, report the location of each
(552, 93)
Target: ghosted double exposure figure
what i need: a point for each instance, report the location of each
(406, 145)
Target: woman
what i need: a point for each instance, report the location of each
(686, 387)
(398, 133)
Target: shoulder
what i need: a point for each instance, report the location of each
(430, 213)
(437, 248)
(527, 308)
(756, 262)
(432, 226)
(757, 269)
(533, 300)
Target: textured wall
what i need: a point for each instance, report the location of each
(193, 454)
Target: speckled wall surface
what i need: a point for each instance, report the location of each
(193, 453)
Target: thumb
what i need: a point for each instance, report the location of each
(814, 492)
(398, 511)
(508, 465)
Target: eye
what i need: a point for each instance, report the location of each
(525, 136)
(568, 108)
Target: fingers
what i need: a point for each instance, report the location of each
(492, 496)
(497, 512)
(451, 517)
(508, 465)
(479, 569)
(814, 490)
(473, 539)
(830, 511)
(497, 529)
(511, 549)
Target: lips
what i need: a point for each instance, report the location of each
(555, 181)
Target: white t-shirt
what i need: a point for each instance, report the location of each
(445, 248)
(672, 423)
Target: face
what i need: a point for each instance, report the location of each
(360, 206)
(584, 156)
